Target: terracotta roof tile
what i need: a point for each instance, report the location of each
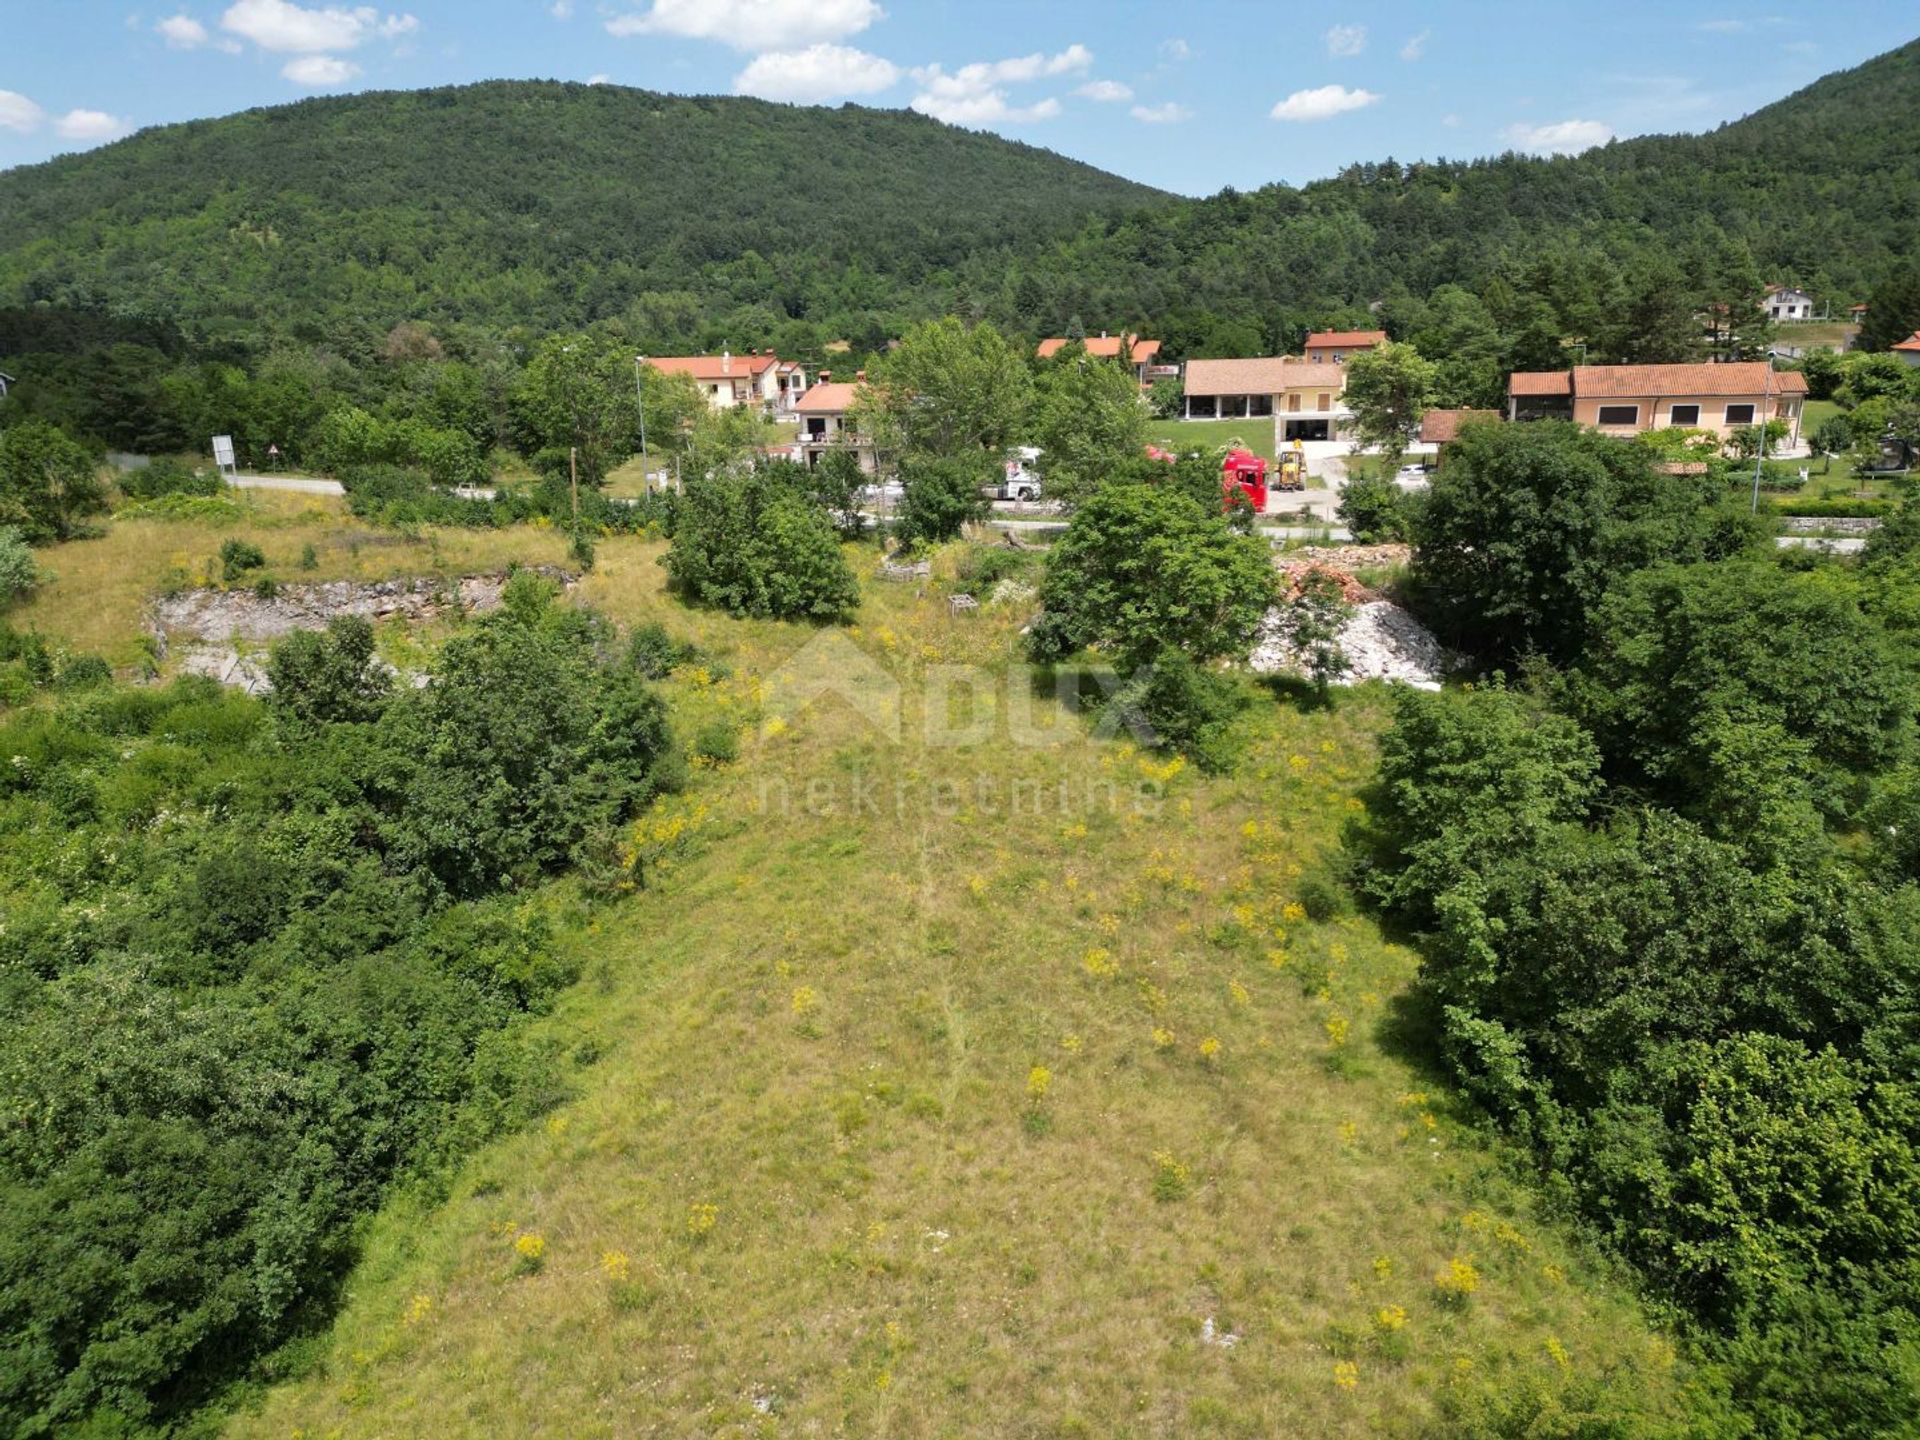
(1912, 342)
(713, 367)
(1263, 375)
(1345, 339)
(1743, 377)
(1438, 427)
(1107, 347)
(1540, 382)
(833, 398)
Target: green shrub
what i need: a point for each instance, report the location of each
(1175, 704)
(236, 1041)
(940, 495)
(80, 672)
(717, 742)
(654, 654)
(331, 677)
(1374, 509)
(19, 571)
(169, 476)
(238, 556)
(745, 542)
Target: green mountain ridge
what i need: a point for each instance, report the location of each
(729, 220)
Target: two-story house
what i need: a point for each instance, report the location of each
(1337, 346)
(1301, 394)
(1138, 353)
(756, 378)
(826, 421)
(1786, 302)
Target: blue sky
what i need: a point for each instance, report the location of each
(1190, 95)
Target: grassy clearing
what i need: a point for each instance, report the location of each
(101, 585)
(1834, 334)
(1255, 435)
(920, 1112)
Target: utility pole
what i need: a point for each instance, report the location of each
(1766, 418)
(640, 396)
(573, 479)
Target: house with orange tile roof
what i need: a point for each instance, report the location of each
(1301, 395)
(826, 421)
(1627, 399)
(1337, 346)
(1439, 428)
(757, 377)
(1908, 349)
(1130, 349)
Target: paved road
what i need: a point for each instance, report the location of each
(298, 484)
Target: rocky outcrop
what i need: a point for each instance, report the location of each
(246, 616)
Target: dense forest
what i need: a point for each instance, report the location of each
(705, 221)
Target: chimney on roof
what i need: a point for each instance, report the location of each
(859, 375)
(1103, 334)
(726, 362)
(825, 376)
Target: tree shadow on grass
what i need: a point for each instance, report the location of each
(1303, 693)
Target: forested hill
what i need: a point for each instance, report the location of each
(699, 222)
(535, 203)
(1821, 189)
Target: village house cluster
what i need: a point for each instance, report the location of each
(1303, 396)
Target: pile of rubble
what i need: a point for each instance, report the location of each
(1381, 641)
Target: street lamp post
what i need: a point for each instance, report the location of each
(640, 396)
(1760, 446)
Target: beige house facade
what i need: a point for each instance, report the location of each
(1628, 399)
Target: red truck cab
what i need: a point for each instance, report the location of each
(1243, 473)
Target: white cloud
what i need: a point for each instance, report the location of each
(1564, 137)
(561, 9)
(17, 112)
(599, 79)
(93, 126)
(1110, 91)
(1417, 46)
(319, 71)
(751, 24)
(1346, 40)
(988, 109)
(1168, 114)
(182, 32)
(288, 28)
(1323, 103)
(819, 72)
(973, 94)
(1176, 49)
(1450, 120)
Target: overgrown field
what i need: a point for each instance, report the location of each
(974, 1086)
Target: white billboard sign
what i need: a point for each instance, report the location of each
(223, 452)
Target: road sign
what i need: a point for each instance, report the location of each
(223, 452)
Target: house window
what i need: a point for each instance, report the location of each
(1324, 401)
(1619, 415)
(1293, 403)
(1739, 414)
(1233, 407)
(1684, 415)
(1202, 407)
(1260, 406)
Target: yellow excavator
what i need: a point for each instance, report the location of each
(1291, 467)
